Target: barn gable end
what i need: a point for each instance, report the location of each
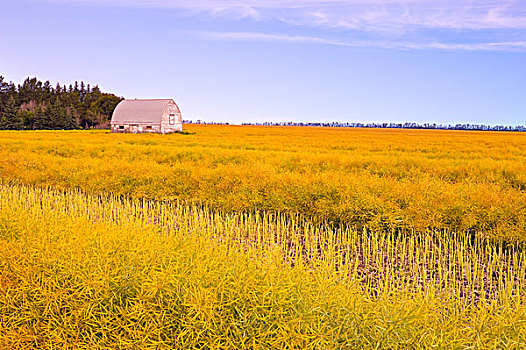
(172, 119)
(144, 116)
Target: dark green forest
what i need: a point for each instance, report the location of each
(37, 105)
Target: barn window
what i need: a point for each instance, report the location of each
(148, 127)
(121, 127)
(172, 118)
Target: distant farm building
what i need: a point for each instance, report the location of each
(138, 116)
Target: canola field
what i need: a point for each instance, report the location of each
(263, 238)
(380, 179)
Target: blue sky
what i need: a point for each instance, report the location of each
(447, 61)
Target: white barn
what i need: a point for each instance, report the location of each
(137, 116)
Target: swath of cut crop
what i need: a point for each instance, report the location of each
(100, 271)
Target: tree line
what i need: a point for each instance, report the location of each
(37, 105)
(407, 125)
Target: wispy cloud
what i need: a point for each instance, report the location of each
(416, 14)
(358, 14)
(434, 24)
(251, 36)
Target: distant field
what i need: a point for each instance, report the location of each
(379, 179)
(286, 237)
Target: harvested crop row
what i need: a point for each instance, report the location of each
(83, 271)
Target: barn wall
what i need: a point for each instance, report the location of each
(166, 127)
(136, 128)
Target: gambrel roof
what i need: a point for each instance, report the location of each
(140, 111)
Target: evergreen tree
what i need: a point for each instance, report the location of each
(10, 119)
(47, 91)
(4, 94)
(28, 119)
(3, 122)
(52, 113)
(61, 119)
(14, 122)
(71, 119)
(3, 102)
(43, 118)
